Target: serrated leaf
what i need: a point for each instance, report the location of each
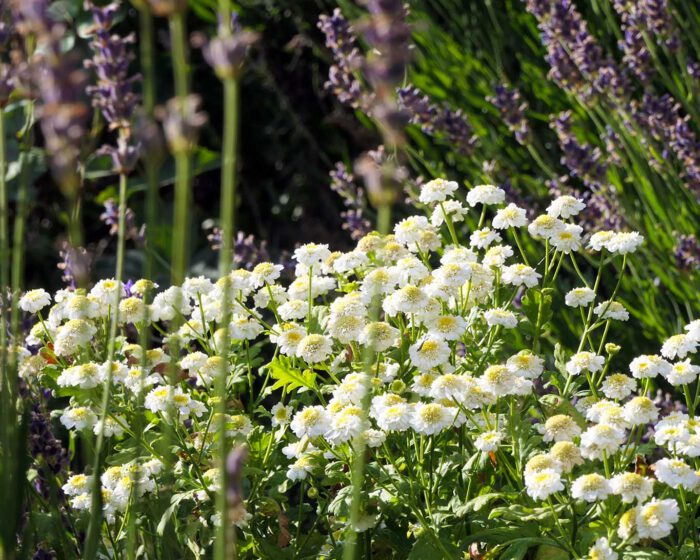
(289, 377)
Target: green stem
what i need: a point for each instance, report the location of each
(93, 533)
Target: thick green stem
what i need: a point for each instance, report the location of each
(94, 527)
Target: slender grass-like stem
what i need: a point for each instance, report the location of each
(95, 524)
(225, 547)
(182, 158)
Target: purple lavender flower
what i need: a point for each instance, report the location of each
(438, 121)
(509, 102)
(687, 253)
(182, 121)
(75, 264)
(111, 218)
(226, 52)
(602, 212)
(347, 60)
(662, 117)
(578, 63)
(343, 183)
(582, 160)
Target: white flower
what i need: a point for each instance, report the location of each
(85, 376)
(348, 262)
(675, 473)
(345, 425)
(391, 412)
(311, 421)
(545, 226)
(542, 484)
(112, 427)
(560, 427)
(437, 190)
(314, 348)
(379, 336)
(500, 381)
(169, 304)
(655, 519)
(293, 309)
(679, 346)
(73, 335)
(281, 414)
(448, 327)
(458, 255)
(429, 353)
(415, 232)
(611, 310)
(300, 469)
(600, 240)
(265, 273)
(565, 207)
(520, 275)
(626, 242)
(77, 484)
(647, 366)
(485, 194)
(374, 438)
(78, 418)
(510, 216)
(34, 300)
(584, 361)
(618, 386)
(452, 208)
(488, 441)
(567, 239)
(601, 439)
(591, 488)
(429, 419)
(640, 410)
(409, 299)
(448, 386)
(501, 317)
(601, 550)
(311, 254)
(579, 297)
(525, 364)
(632, 486)
(482, 238)
(497, 255)
(682, 373)
(452, 275)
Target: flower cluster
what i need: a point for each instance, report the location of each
(410, 349)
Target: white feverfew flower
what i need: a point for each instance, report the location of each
(77, 484)
(452, 275)
(600, 240)
(409, 299)
(673, 436)
(632, 486)
(601, 550)
(314, 348)
(497, 256)
(486, 194)
(169, 304)
(113, 426)
(458, 255)
(676, 473)
(347, 262)
(346, 425)
(447, 327)
(374, 438)
(311, 421)
(656, 518)
(567, 239)
(520, 275)
(501, 317)
(311, 254)
(78, 418)
(85, 376)
(500, 381)
(265, 273)
(560, 427)
(294, 309)
(640, 410)
(510, 217)
(484, 237)
(579, 297)
(618, 386)
(543, 483)
(625, 242)
(379, 336)
(395, 416)
(437, 190)
(565, 207)
(679, 346)
(448, 386)
(649, 366)
(488, 441)
(545, 226)
(274, 295)
(346, 328)
(526, 364)
(682, 373)
(280, 414)
(413, 231)
(601, 439)
(196, 288)
(34, 301)
(584, 361)
(300, 469)
(611, 310)
(591, 488)
(72, 336)
(409, 270)
(454, 209)
(429, 353)
(429, 419)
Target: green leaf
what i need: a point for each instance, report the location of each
(289, 377)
